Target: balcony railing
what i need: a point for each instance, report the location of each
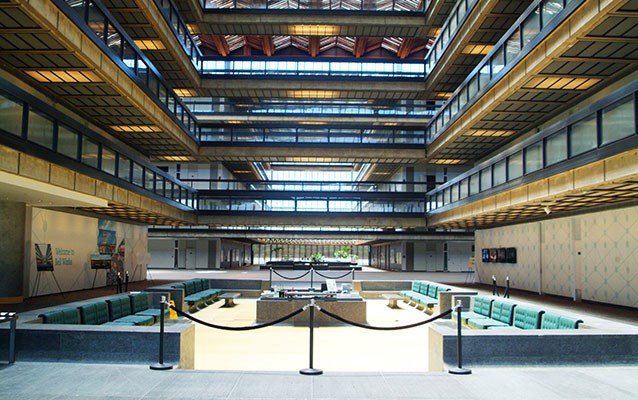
(537, 22)
(180, 30)
(307, 186)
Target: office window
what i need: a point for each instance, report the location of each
(40, 130)
(108, 160)
(515, 165)
(68, 142)
(89, 152)
(534, 157)
(512, 47)
(474, 184)
(583, 136)
(486, 178)
(550, 9)
(498, 61)
(11, 116)
(138, 174)
(484, 76)
(149, 179)
(454, 193)
(618, 121)
(124, 168)
(556, 147)
(500, 172)
(463, 188)
(531, 26)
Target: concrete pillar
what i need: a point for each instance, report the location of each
(12, 230)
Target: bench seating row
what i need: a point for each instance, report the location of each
(123, 310)
(488, 313)
(197, 293)
(423, 293)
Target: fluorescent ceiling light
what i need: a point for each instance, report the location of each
(150, 44)
(313, 94)
(314, 30)
(136, 128)
(54, 76)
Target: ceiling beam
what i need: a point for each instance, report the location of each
(360, 44)
(267, 45)
(406, 47)
(217, 42)
(313, 46)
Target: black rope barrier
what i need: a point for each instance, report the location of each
(290, 279)
(333, 277)
(236, 328)
(383, 328)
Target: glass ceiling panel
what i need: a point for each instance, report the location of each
(328, 5)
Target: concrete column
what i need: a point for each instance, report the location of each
(12, 248)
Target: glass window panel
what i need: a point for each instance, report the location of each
(486, 178)
(515, 165)
(463, 188)
(11, 116)
(583, 136)
(512, 47)
(114, 40)
(534, 157)
(498, 61)
(67, 142)
(455, 192)
(472, 87)
(550, 9)
(149, 179)
(108, 160)
(531, 26)
(89, 152)
(618, 121)
(124, 168)
(500, 175)
(97, 21)
(474, 184)
(556, 148)
(138, 174)
(484, 76)
(40, 130)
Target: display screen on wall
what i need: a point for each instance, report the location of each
(499, 255)
(485, 255)
(510, 255)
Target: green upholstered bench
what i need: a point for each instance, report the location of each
(502, 314)
(139, 306)
(197, 294)
(63, 316)
(556, 321)
(423, 293)
(481, 308)
(524, 318)
(120, 313)
(94, 313)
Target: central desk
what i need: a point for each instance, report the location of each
(350, 306)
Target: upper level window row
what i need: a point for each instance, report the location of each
(328, 5)
(109, 32)
(596, 130)
(24, 121)
(315, 69)
(460, 10)
(506, 52)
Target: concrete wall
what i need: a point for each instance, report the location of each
(73, 239)
(431, 256)
(590, 256)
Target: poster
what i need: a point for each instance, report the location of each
(43, 257)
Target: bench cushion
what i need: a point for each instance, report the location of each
(63, 316)
(502, 312)
(527, 318)
(556, 321)
(139, 302)
(482, 306)
(119, 307)
(94, 313)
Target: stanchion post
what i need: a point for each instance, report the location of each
(312, 281)
(270, 280)
(126, 277)
(507, 288)
(494, 287)
(353, 274)
(311, 323)
(459, 345)
(160, 365)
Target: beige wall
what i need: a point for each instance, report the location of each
(593, 256)
(73, 239)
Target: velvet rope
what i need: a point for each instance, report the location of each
(290, 279)
(236, 328)
(333, 277)
(383, 328)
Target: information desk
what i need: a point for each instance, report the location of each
(350, 306)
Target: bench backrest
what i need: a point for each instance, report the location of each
(423, 289)
(482, 305)
(527, 318)
(416, 285)
(94, 313)
(139, 302)
(432, 291)
(503, 312)
(119, 307)
(64, 316)
(556, 321)
(197, 285)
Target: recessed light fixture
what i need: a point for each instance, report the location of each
(489, 132)
(136, 128)
(150, 44)
(448, 161)
(313, 94)
(314, 30)
(185, 92)
(66, 76)
(477, 49)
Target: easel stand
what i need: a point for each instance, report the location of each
(38, 278)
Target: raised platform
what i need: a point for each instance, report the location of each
(305, 265)
(351, 307)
